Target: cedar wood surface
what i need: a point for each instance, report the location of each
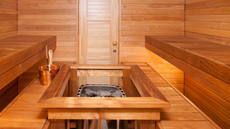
(209, 20)
(19, 53)
(182, 113)
(131, 45)
(8, 18)
(103, 105)
(213, 97)
(180, 110)
(137, 19)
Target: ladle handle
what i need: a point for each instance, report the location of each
(50, 57)
(46, 52)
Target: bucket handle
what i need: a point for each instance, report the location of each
(50, 57)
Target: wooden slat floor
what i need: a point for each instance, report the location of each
(22, 112)
(182, 113)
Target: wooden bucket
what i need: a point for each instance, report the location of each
(47, 75)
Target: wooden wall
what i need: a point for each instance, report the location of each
(148, 17)
(51, 17)
(209, 101)
(8, 27)
(8, 18)
(208, 20)
(170, 73)
(8, 93)
(151, 17)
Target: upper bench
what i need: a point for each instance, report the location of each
(209, 57)
(205, 61)
(19, 53)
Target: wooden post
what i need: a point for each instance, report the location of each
(73, 84)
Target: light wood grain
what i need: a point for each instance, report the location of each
(58, 85)
(108, 114)
(131, 102)
(191, 90)
(100, 73)
(212, 56)
(14, 63)
(144, 86)
(209, 14)
(99, 29)
(58, 18)
(16, 114)
(179, 106)
(218, 110)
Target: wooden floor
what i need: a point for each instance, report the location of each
(183, 113)
(206, 68)
(23, 113)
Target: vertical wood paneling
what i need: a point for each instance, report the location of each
(98, 30)
(52, 17)
(8, 18)
(208, 20)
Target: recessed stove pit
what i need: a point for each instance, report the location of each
(103, 90)
(100, 90)
(99, 105)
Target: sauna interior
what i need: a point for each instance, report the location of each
(171, 58)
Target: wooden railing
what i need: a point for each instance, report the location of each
(128, 108)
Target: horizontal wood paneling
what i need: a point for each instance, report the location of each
(8, 93)
(216, 107)
(148, 17)
(171, 73)
(153, 1)
(182, 113)
(151, 17)
(46, 1)
(208, 20)
(8, 18)
(52, 17)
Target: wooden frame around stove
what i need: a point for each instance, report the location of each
(132, 107)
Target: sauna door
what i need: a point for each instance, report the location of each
(98, 36)
(98, 31)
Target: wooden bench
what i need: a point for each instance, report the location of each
(209, 57)
(18, 54)
(22, 112)
(207, 72)
(182, 113)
